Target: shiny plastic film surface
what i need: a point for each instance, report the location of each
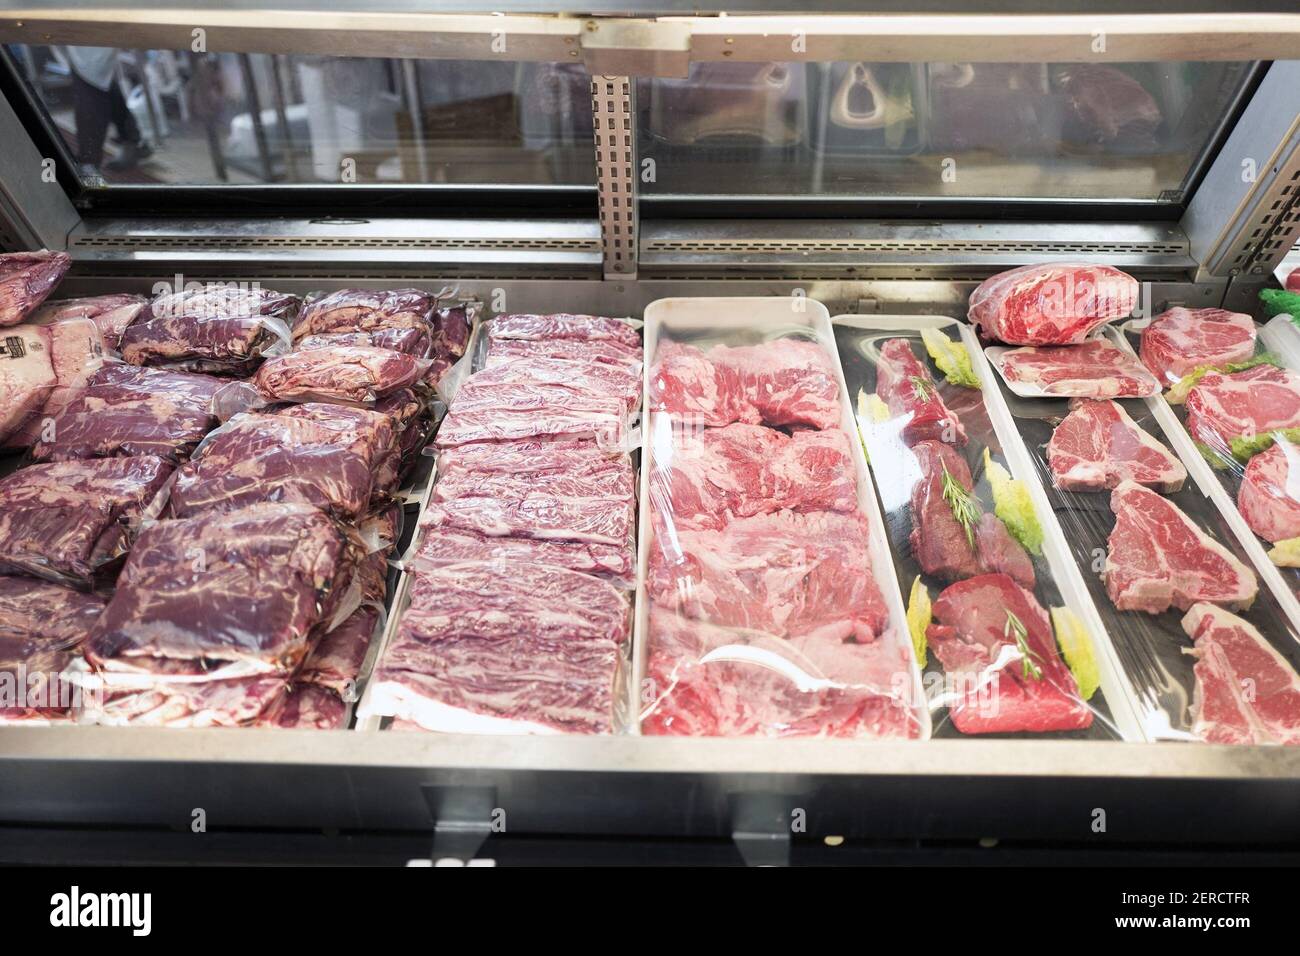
(1204, 634)
(768, 604)
(1009, 639)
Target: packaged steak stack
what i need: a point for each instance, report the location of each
(766, 614)
(519, 611)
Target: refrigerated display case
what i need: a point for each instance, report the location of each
(674, 167)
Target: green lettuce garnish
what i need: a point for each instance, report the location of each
(951, 358)
(1012, 503)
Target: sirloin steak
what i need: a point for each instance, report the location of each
(1098, 445)
(904, 384)
(1224, 406)
(1269, 497)
(1246, 692)
(993, 632)
(1157, 558)
(1095, 369)
(1180, 340)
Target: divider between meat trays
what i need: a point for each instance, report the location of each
(999, 434)
(757, 319)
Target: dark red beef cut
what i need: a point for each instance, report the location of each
(335, 662)
(26, 279)
(257, 457)
(406, 410)
(535, 650)
(125, 410)
(780, 383)
(110, 313)
(564, 326)
(451, 330)
(67, 520)
(703, 478)
(306, 707)
(785, 573)
(997, 638)
(195, 591)
(365, 310)
(233, 702)
(416, 342)
(41, 627)
(1107, 105)
(905, 385)
(372, 430)
(941, 544)
(718, 682)
(341, 372)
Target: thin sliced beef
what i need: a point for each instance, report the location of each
(1246, 692)
(604, 351)
(1180, 340)
(41, 628)
(1157, 558)
(509, 507)
(564, 326)
(496, 412)
(993, 635)
(446, 544)
(26, 279)
(589, 377)
(1098, 445)
(905, 385)
(1054, 304)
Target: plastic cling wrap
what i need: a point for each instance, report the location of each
(1010, 636)
(42, 626)
(348, 373)
(1057, 304)
(1126, 472)
(26, 278)
(110, 313)
(76, 353)
(769, 606)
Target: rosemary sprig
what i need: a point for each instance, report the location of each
(922, 387)
(1016, 630)
(965, 508)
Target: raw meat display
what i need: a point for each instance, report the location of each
(529, 457)
(451, 330)
(370, 431)
(724, 682)
(1095, 369)
(1051, 304)
(590, 377)
(1178, 341)
(416, 342)
(1224, 406)
(349, 373)
(306, 707)
(1269, 497)
(510, 411)
(194, 593)
(110, 313)
(1004, 107)
(26, 375)
(946, 547)
(77, 353)
(563, 326)
(406, 410)
(1157, 558)
(1098, 445)
(67, 520)
(1107, 105)
(196, 343)
(780, 383)
(233, 702)
(705, 478)
(1246, 692)
(26, 279)
(365, 310)
(335, 662)
(445, 544)
(125, 410)
(535, 650)
(41, 628)
(605, 351)
(904, 384)
(258, 457)
(788, 574)
(995, 634)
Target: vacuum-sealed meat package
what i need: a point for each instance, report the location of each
(193, 596)
(416, 342)
(564, 326)
(26, 279)
(337, 373)
(126, 410)
(365, 310)
(66, 521)
(77, 353)
(27, 375)
(110, 313)
(42, 626)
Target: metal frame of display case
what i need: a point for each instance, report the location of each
(749, 789)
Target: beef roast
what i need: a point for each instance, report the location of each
(349, 373)
(1095, 369)
(110, 313)
(77, 353)
(26, 279)
(1269, 496)
(27, 375)
(1224, 406)
(905, 385)
(1179, 340)
(67, 520)
(1098, 445)
(1057, 304)
(996, 637)
(365, 310)
(41, 628)
(1157, 558)
(1246, 692)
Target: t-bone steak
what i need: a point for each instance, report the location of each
(1051, 304)
(1095, 369)
(1180, 340)
(1098, 445)
(1157, 558)
(1224, 406)
(1246, 692)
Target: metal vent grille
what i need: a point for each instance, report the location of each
(915, 247)
(616, 183)
(1277, 229)
(249, 243)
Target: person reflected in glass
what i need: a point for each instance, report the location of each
(98, 101)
